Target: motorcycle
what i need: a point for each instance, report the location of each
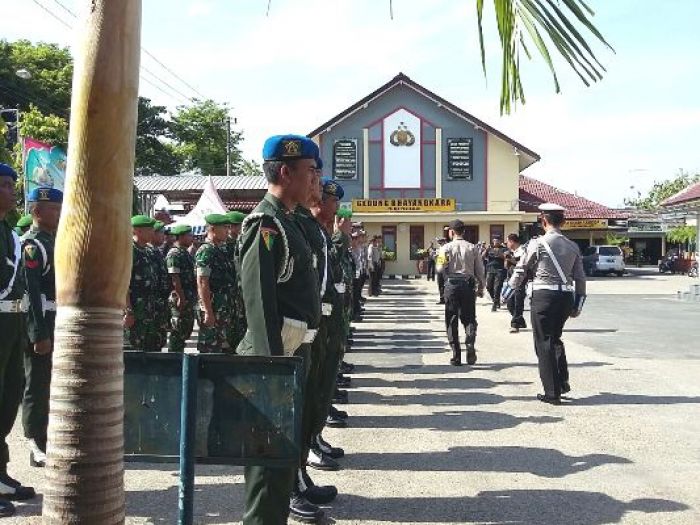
(668, 264)
(693, 271)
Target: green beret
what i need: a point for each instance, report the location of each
(181, 229)
(236, 217)
(345, 213)
(24, 221)
(142, 221)
(217, 219)
(158, 225)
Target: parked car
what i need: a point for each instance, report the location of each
(604, 259)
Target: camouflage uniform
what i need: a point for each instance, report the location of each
(181, 263)
(143, 294)
(238, 323)
(211, 261)
(164, 288)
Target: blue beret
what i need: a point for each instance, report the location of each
(7, 171)
(331, 187)
(45, 195)
(289, 147)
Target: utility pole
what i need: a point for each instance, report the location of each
(228, 146)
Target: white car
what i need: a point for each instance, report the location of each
(604, 259)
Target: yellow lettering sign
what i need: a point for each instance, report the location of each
(585, 224)
(402, 205)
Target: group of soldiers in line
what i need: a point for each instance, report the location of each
(27, 319)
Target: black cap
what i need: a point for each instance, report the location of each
(456, 225)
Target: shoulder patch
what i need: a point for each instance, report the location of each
(268, 236)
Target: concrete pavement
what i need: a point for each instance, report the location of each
(430, 443)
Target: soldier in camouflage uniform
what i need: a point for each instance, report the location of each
(183, 301)
(140, 329)
(216, 287)
(164, 285)
(239, 324)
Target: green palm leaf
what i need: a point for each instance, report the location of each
(561, 22)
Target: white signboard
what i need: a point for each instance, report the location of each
(402, 144)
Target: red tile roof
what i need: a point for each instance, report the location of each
(691, 193)
(534, 192)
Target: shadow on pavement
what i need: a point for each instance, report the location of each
(544, 462)
(497, 367)
(457, 420)
(511, 507)
(608, 398)
(437, 399)
(460, 383)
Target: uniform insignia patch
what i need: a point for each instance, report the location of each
(31, 257)
(268, 236)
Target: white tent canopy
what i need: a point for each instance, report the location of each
(209, 202)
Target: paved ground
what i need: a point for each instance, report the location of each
(430, 443)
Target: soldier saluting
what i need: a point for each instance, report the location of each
(37, 252)
(558, 292)
(463, 269)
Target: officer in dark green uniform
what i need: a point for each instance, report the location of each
(283, 305)
(13, 341)
(37, 255)
(140, 316)
(183, 301)
(238, 324)
(216, 287)
(23, 224)
(164, 283)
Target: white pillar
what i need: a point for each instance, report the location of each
(438, 163)
(365, 163)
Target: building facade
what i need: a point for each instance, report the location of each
(410, 162)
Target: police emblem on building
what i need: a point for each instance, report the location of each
(402, 136)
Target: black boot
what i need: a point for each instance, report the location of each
(340, 396)
(11, 489)
(314, 494)
(346, 368)
(327, 449)
(7, 509)
(342, 381)
(303, 510)
(471, 354)
(336, 422)
(319, 461)
(340, 414)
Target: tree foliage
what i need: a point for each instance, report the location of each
(663, 190)
(155, 150)
(681, 234)
(200, 135)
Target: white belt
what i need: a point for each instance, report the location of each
(340, 287)
(310, 336)
(16, 306)
(554, 287)
(326, 309)
(46, 305)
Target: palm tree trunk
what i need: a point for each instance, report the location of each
(85, 471)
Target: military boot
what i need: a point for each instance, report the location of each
(11, 489)
(327, 449)
(313, 493)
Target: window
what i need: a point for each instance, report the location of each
(497, 230)
(610, 251)
(417, 236)
(389, 243)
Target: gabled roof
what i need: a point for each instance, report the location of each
(402, 79)
(691, 193)
(534, 192)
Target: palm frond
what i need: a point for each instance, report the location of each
(561, 22)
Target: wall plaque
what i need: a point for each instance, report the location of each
(459, 158)
(345, 159)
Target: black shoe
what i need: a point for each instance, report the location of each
(455, 362)
(550, 400)
(7, 509)
(363, 299)
(312, 492)
(346, 368)
(341, 397)
(565, 387)
(330, 451)
(514, 329)
(301, 509)
(357, 318)
(11, 489)
(441, 301)
(342, 381)
(320, 461)
(336, 422)
(494, 307)
(340, 414)
(471, 355)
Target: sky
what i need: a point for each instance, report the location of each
(304, 61)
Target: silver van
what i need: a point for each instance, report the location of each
(604, 259)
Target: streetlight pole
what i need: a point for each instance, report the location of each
(228, 146)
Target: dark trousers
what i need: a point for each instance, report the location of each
(335, 347)
(268, 489)
(431, 269)
(516, 305)
(374, 277)
(460, 306)
(494, 285)
(13, 341)
(441, 286)
(356, 295)
(549, 311)
(35, 403)
(363, 280)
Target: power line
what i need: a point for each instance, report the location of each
(146, 51)
(54, 15)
